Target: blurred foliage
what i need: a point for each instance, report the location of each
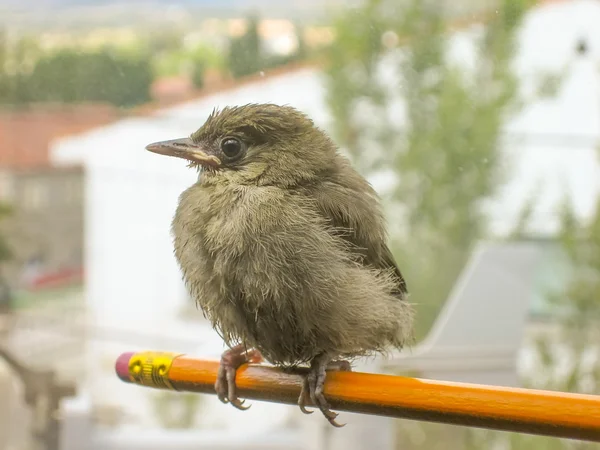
(5, 252)
(436, 124)
(245, 53)
(578, 307)
(61, 295)
(177, 410)
(198, 69)
(567, 354)
(302, 52)
(166, 40)
(520, 228)
(178, 59)
(122, 73)
(549, 83)
(98, 76)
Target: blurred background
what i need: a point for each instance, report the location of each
(478, 122)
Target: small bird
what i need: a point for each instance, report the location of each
(283, 246)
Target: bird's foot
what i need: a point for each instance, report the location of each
(313, 385)
(231, 360)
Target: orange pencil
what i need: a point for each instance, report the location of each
(574, 416)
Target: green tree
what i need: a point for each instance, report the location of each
(165, 40)
(16, 61)
(447, 152)
(567, 357)
(5, 251)
(198, 69)
(71, 76)
(3, 71)
(302, 52)
(577, 320)
(245, 53)
(400, 103)
(177, 410)
(6, 297)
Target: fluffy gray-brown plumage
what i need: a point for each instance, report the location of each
(283, 246)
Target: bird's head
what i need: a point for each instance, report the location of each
(255, 143)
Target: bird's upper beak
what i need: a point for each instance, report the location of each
(184, 148)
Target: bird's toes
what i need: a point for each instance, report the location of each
(321, 402)
(304, 410)
(328, 413)
(311, 386)
(231, 360)
(231, 390)
(221, 389)
(221, 384)
(239, 404)
(334, 423)
(304, 395)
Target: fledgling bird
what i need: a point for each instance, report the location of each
(283, 246)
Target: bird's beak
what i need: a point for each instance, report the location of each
(184, 148)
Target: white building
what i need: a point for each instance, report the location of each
(134, 291)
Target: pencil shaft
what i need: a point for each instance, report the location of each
(575, 416)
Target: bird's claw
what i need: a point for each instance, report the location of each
(231, 360)
(313, 384)
(304, 394)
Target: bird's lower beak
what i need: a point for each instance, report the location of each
(184, 148)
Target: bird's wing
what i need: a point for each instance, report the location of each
(386, 260)
(351, 206)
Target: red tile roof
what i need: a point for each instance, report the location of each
(171, 88)
(218, 85)
(26, 135)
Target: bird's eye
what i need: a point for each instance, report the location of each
(231, 147)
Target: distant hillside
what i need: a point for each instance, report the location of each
(78, 13)
(221, 4)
